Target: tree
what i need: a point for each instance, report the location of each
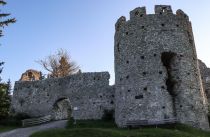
(5, 22)
(59, 64)
(4, 88)
(5, 99)
(1, 63)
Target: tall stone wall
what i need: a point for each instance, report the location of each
(205, 76)
(156, 69)
(89, 93)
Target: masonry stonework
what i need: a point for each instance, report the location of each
(205, 76)
(157, 77)
(31, 75)
(89, 93)
(156, 69)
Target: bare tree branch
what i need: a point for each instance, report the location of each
(59, 65)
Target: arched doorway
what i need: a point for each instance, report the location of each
(62, 109)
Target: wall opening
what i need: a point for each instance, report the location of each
(139, 97)
(118, 47)
(62, 109)
(167, 59)
(136, 13)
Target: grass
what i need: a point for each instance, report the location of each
(9, 124)
(98, 128)
(91, 124)
(6, 128)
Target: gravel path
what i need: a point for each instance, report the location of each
(26, 132)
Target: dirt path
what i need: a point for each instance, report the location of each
(26, 132)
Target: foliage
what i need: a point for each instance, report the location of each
(4, 88)
(10, 121)
(6, 21)
(81, 131)
(1, 63)
(5, 99)
(108, 115)
(6, 128)
(59, 65)
(9, 124)
(21, 116)
(91, 124)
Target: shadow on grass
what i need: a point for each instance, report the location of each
(100, 128)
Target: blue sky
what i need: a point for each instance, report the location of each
(85, 28)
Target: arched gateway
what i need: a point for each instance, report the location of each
(62, 109)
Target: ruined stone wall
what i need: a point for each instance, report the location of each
(89, 92)
(156, 69)
(205, 76)
(31, 75)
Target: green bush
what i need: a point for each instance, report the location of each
(108, 115)
(11, 121)
(90, 124)
(21, 116)
(14, 121)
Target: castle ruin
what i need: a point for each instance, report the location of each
(31, 75)
(156, 77)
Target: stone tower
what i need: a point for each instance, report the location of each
(31, 75)
(156, 69)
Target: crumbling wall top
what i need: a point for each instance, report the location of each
(181, 14)
(140, 14)
(163, 9)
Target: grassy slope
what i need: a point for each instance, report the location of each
(108, 129)
(6, 128)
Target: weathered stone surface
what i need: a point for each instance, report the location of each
(156, 69)
(31, 75)
(156, 77)
(62, 109)
(90, 93)
(205, 76)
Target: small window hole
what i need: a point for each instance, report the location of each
(144, 73)
(112, 102)
(136, 13)
(118, 47)
(139, 97)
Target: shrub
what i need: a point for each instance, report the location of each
(108, 115)
(11, 121)
(21, 116)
